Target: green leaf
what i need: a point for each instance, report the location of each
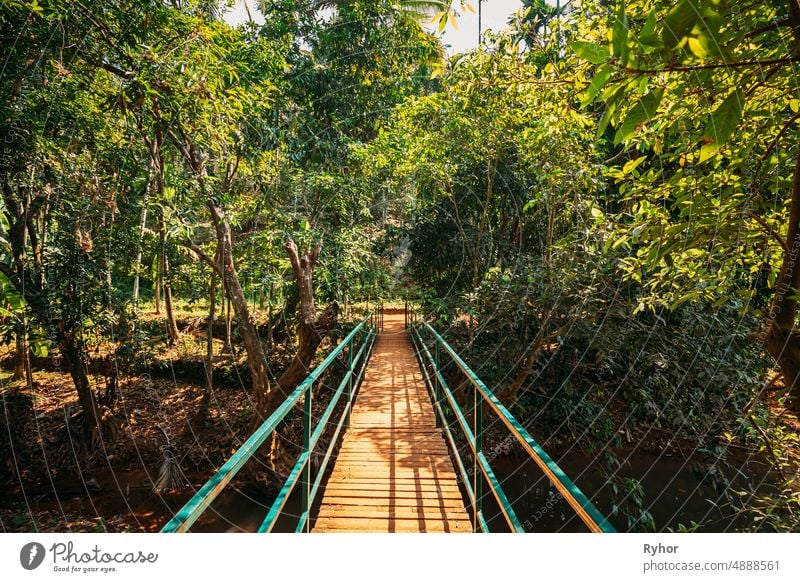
(589, 51)
(39, 348)
(603, 123)
(631, 165)
(710, 35)
(708, 150)
(697, 48)
(639, 114)
(648, 37)
(601, 77)
(442, 16)
(679, 23)
(725, 118)
(619, 35)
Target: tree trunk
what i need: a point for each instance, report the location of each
(138, 265)
(313, 328)
(209, 364)
(20, 214)
(782, 340)
(19, 356)
(228, 325)
(172, 324)
(158, 290)
(267, 399)
(511, 394)
(77, 366)
(476, 255)
(157, 177)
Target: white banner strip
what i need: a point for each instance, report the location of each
(417, 557)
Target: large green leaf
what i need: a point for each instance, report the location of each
(601, 77)
(725, 118)
(648, 37)
(644, 110)
(679, 23)
(594, 53)
(619, 35)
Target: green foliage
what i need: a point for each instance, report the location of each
(596, 201)
(693, 99)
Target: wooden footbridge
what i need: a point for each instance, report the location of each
(405, 456)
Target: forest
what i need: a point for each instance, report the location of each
(598, 207)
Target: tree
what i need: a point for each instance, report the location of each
(703, 97)
(57, 174)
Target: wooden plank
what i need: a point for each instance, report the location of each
(377, 477)
(422, 458)
(407, 473)
(392, 493)
(389, 511)
(406, 450)
(394, 452)
(411, 499)
(377, 525)
(420, 445)
(388, 486)
(432, 463)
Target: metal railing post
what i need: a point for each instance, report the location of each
(306, 478)
(350, 381)
(437, 390)
(477, 474)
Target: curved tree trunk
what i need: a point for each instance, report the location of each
(209, 363)
(21, 211)
(76, 364)
(19, 355)
(265, 396)
(140, 239)
(782, 340)
(313, 328)
(157, 162)
(172, 324)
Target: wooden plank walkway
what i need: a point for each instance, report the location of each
(393, 472)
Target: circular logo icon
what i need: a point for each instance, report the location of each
(31, 555)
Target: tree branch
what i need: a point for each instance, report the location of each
(770, 231)
(314, 256)
(775, 143)
(113, 69)
(203, 256)
(181, 147)
(294, 258)
(771, 26)
(690, 68)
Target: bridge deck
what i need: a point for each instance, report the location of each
(393, 472)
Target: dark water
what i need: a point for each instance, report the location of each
(675, 490)
(241, 510)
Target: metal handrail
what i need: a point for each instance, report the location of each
(301, 472)
(481, 470)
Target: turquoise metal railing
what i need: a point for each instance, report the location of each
(481, 470)
(358, 354)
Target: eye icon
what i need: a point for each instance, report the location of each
(31, 555)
